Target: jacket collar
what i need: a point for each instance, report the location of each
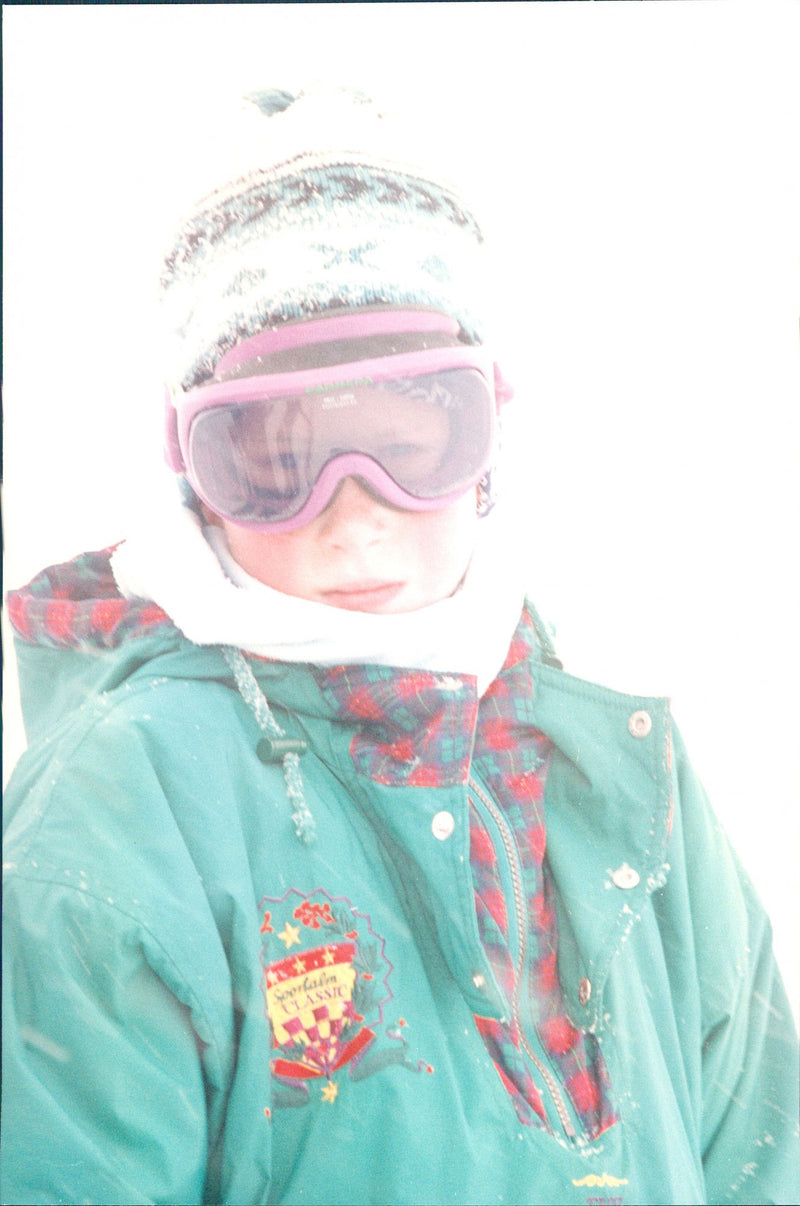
(607, 800)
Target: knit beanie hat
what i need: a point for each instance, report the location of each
(329, 209)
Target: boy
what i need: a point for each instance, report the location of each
(326, 883)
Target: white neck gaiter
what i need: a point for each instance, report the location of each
(189, 572)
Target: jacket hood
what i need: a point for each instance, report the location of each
(77, 634)
(63, 620)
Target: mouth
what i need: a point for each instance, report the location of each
(363, 596)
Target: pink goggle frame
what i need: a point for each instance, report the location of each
(219, 465)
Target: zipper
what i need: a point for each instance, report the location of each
(522, 930)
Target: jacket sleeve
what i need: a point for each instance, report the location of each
(103, 1094)
(749, 1068)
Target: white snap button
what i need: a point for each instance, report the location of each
(640, 724)
(443, 825)
(625, 877)
(584, 991)
(479, 980)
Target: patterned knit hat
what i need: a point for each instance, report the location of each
(327, 214)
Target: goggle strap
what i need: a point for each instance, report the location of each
(328, 330)
(503, 392)
(172, 445)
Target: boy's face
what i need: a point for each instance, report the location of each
(362, 553)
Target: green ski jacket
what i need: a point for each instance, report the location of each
(418, 947)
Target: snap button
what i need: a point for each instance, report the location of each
(640, 724)
(443, 825)
(584, 991)
(478, 979)
(625, 877)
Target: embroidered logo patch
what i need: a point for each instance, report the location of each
(326, 987)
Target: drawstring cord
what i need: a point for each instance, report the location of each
(276, 744)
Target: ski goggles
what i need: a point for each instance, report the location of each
(266, 448)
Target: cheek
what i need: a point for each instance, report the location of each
(277, 560)
(446, 538)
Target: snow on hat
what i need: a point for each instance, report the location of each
(330, 209)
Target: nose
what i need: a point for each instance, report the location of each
(355, 517)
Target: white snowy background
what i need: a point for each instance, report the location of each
(638, 164)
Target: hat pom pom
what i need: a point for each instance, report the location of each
(271, 100)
